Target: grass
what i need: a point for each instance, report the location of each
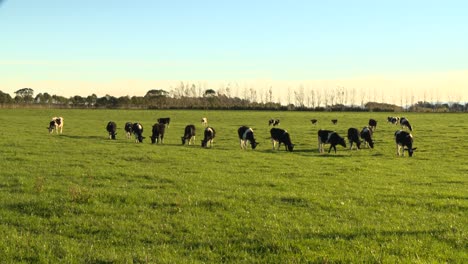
(79, 197)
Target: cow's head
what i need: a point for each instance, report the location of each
(254, 144)
(371, 144)
(342, 142)
(183, 140)
(154, 139)
(113, 135)
(52, 125)
(290, 147)
(203, 143)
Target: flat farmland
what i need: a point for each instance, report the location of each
(79, 197)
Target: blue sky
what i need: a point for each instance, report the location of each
(99, 43)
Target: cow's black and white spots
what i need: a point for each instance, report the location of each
(56, 124)
(334, 121)
(329, 137)
(280, 136)
(273, 122)
(353, 138)
(189, 134)
(393, 119)
(138, 132)
(404, 141)
(111, 129)
(209, 135)
(246, 134)
(314, 121)
(158, 133)
(405, 123)
(366, 135)
(128, 129)
(373, 124)
(204, 121)
(164, 120)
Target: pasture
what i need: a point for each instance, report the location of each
(82, 198)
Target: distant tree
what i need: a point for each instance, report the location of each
(156, 93)
(209, 93)
(25, 94)
(5, 98)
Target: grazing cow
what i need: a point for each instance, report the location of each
(164, 120)
(56, 124)
(273, 122)
(329, 137)
(209, 135)
(158, 133)
(404, 140)
(128, 129)
(204, 121)
(314, 121)
(405, 123)
(112, 129)
(279, 136)
(393, 119)
(189, 134)
(138, 132)
(334, 121)
(366, 135)
(372, 124)
(246, 134)
(353, 137)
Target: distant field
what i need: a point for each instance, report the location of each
(82, 198)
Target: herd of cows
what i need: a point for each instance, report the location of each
(403, 139)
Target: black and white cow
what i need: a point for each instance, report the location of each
(279, 136)
(56, 124)
(128, 129)
(404, 140)
(353, 137)
(158, 133)
(209, 135)
(204, 121)
(189, 134)
(366, 135)
(314, 121)
(405, 123)
(164, 120)
(273, 122)
(393, 119)
(138, 132)
(329, 137)
(372, 124)
(111, 129)
(334, 121)
(246, 134)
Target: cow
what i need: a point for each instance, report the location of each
(353, 137)
(329, 137)
(204, 121)
(393, 119)
(112, 129)
(405, 123)
(189, 134)
(373, 124)
(164, 120)
(273, 122)
(314, 121)
(158, 133)
(279, 136)
(334, 121)
(404, 140)
(246, 134)
(56, 124)
(209, 135)
(128, 129)
(366, 135)
(138, 132)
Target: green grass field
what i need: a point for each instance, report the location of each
(82, 198)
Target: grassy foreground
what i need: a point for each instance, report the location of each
(82, 198)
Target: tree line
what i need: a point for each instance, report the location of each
(192, 97)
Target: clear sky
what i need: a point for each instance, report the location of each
(129, 47)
